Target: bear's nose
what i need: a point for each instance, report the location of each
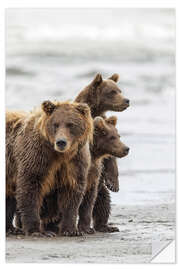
(126, 101)
(61, 143)
(126, 150)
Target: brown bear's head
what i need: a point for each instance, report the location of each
(67, 124)
(103, 95)
(106, 138)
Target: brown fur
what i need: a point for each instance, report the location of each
(34, 157)
(103, 95)
(106, 142)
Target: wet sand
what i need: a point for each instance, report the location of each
(143, 230)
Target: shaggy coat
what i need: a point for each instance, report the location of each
(106, 142)
(101, 96)
(39, 145)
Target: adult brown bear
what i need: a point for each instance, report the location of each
(106, 142)
(38, 144)
(101, 96)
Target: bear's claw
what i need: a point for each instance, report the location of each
(42, 234)
(15, 231)
(50, 234)
(108, 229)
(72, 233)
(87, 230)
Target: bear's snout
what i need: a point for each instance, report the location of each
(126, 150)
(126, 101)
(61, 143)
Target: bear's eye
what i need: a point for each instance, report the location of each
(113, 92)
(103, 133)
(70, 125)
(112, 138)
(56, 125)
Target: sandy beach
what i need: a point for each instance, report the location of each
(142, 234)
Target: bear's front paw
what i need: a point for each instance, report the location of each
(106, 228)
(86, 230)
(15, 231)
(18, 231)
(71, 232)
(112, 187)
(35, 234)
(42, 234)
(49, 234)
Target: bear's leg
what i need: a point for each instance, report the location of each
(110, 174)
(28, 204)
(71, 195)
(85, 211)
(49, 213)
(102, 211)
(51, 227)
(69, 203)
(10, 211)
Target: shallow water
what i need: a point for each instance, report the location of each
(55, 53)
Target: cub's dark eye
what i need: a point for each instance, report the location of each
(113, 92)
(112, 138)
(56, 125)
(103, 133)
(70, 125)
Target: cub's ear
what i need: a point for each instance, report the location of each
(97, 80)
(114, 77)
(99, 122)
(48, 107)
(112, 120)
(83, 108)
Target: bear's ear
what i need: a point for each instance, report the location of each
(99, 122)
(48, 107)
(112, 120)
(83, 108)
(114, 77)
(97, 80)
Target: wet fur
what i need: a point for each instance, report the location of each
(102, 147)
(98, 96)
(32, 165)
(92, 96)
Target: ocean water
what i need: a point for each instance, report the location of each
(54, 53)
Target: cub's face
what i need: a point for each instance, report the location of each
(65, 125)
(107, 138)
(112, 98)
(108, 94)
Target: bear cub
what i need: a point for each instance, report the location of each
(106, 143)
